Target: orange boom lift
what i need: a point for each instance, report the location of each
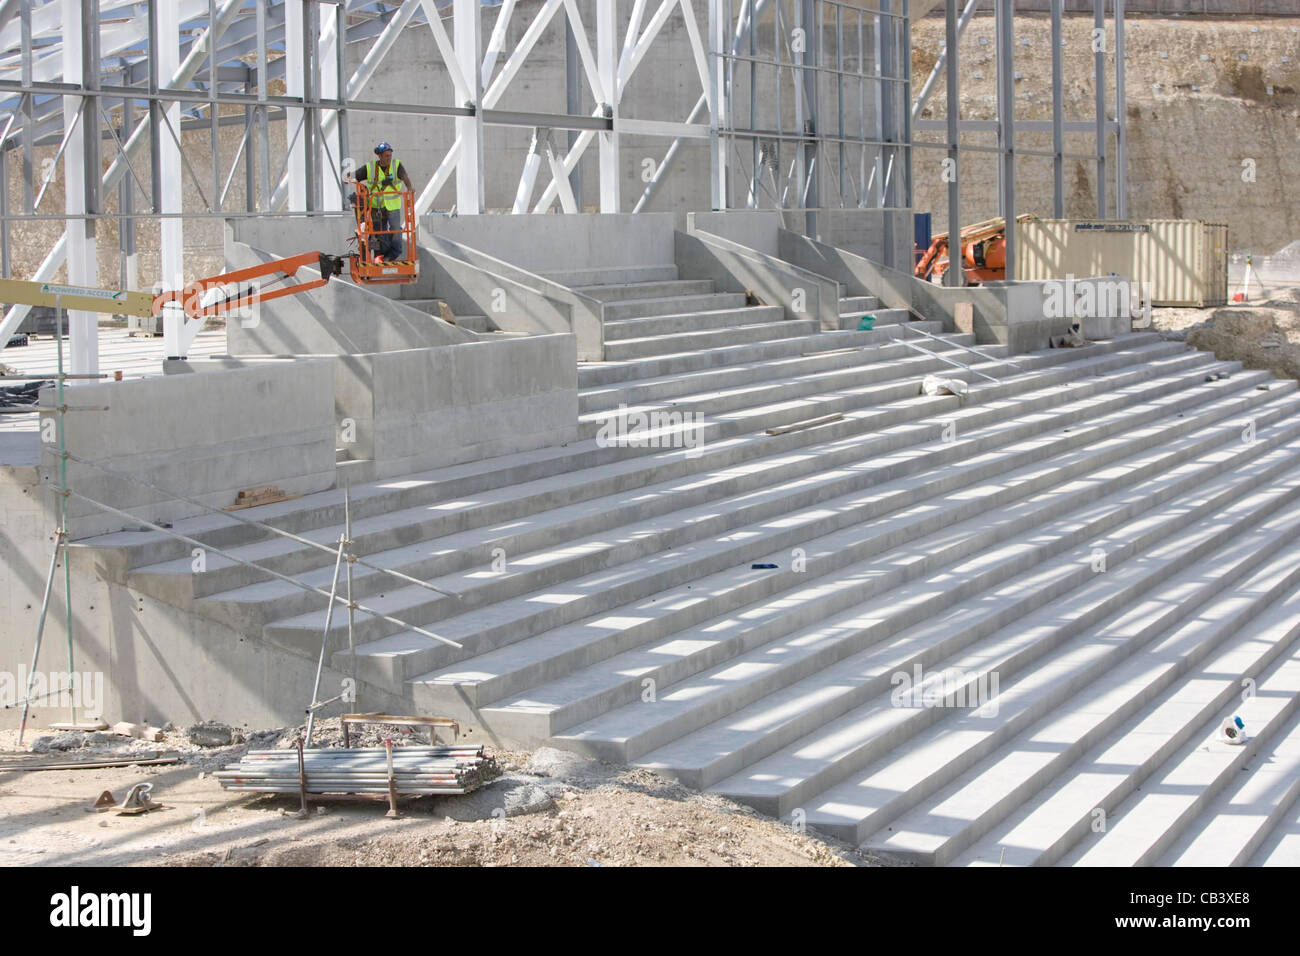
(983, 253)
(365, 267)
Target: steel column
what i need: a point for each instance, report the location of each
(471, 193)
(1006, 36)
(29, 163)
(572, 105)
(955, 275)
(295, 85)
(1058, 116)
(607, 55)
(168, 178)
(263, 124)
(80, 35)
(1121, 117)
(129, 269)
(1099, 66)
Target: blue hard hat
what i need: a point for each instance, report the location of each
(382, 148)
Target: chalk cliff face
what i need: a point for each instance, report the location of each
(1212, 122)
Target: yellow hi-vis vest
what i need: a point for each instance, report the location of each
(389, 196)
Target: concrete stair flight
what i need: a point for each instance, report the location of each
(1078, 564)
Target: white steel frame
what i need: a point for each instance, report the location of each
(129, 76)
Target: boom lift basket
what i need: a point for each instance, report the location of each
(367, 268)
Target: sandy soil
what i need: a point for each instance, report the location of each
(571, 812)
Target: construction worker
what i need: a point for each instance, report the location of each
(381, 176)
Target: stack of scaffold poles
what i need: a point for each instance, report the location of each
(402, 771)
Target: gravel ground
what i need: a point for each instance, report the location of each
(1261, 334)
(549, 808)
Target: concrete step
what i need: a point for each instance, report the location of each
(666, 288)
(1096, 683)
(691, 322)
(410, 518)
(830, 391)
(613, 275)
(883, 317)
(698, 701)
(542, 711)
(858, 744)
(854, 809)
(516, 619)
(1239, 822)
(672, 305)
(679, 343)
(661, 387)
(858, 303)
(387, 541)
(1144, 825)
(607, 373)
(1282, 846)
(116, 554)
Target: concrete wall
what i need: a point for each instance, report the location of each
(859, 231)
(565, 247)
(436, 407)
(206, 437)
(401, 412)
(759, 229)
(155, 662)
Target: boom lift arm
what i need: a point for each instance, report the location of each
(364, 266)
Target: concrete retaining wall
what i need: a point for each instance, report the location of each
(400, 412)
(428, 408)
(206, 437)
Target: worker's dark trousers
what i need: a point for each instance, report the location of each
(390, 247)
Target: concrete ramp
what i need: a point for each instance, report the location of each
(339, 318)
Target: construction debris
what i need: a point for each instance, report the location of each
(143, 758)
(940, 385)
(265, 495)
(137, 801)
(210, 733)
(807, 423)
(138, 731)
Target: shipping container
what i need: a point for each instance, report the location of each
(1183, 262)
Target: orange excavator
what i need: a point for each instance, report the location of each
(983, 253)
(365, 266)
